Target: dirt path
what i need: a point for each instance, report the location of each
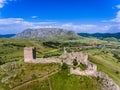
(50, 86)
(40, 79)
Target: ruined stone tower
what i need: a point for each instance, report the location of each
(29, 54)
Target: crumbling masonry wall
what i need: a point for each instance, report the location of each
(108, 83)
(29, 54)
(30, 57)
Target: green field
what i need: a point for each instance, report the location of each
(63, 81)
(20, 76)
(106, 62)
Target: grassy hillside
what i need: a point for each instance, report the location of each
(12, 50)
(63, 81)
(106, 62)
(17, 75)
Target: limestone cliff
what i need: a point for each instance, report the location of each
(45, 33)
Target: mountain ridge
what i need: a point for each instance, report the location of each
(42, 33)
(101, 35)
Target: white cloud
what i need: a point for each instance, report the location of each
(114, 28)
(3, 2)
(12, 25)
(117, 18)
(34, 17)
(17, 25)
(86, 28)
(118, 6)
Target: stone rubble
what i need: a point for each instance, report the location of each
(68, 58)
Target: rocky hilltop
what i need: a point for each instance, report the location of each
(45, 33)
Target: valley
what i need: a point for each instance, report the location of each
(17, 75)
(59, 44)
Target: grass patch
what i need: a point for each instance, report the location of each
(37, 85)
(82, 66)
(64, 81)
(22, 72)
(106, 63)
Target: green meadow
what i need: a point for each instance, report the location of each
(17, 75)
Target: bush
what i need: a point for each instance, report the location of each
(64, 66)
(116, 55)
(69, 50)
(50, 54)
(75, 63)
(117, 72)
(82, 66)
(34, 76)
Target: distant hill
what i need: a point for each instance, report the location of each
(48, 33)
(101, 35)
(7, 35)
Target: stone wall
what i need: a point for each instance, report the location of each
(90, 71)
(29, 54)
(30, 57)
(70, 57)
(47, 60)
(107, 83)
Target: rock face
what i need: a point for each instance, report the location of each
(106, 82)
(43, 33)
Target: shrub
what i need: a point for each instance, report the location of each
(82, 66)
(64, 66)
(34, 76)
(117, 72)
(75, 63)
(98, 78)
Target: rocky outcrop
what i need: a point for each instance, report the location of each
(106, 82)
(41, 33)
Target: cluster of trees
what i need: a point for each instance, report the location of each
(2, 62)
(101, 35)
(75, 63)
(116, 55)
(57, 44)
(46, 55)
(12, 44)
(53, 44)
(64, 66)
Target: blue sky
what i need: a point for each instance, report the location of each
(89, 16)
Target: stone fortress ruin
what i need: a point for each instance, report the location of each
(29, 54)
(68, 58)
